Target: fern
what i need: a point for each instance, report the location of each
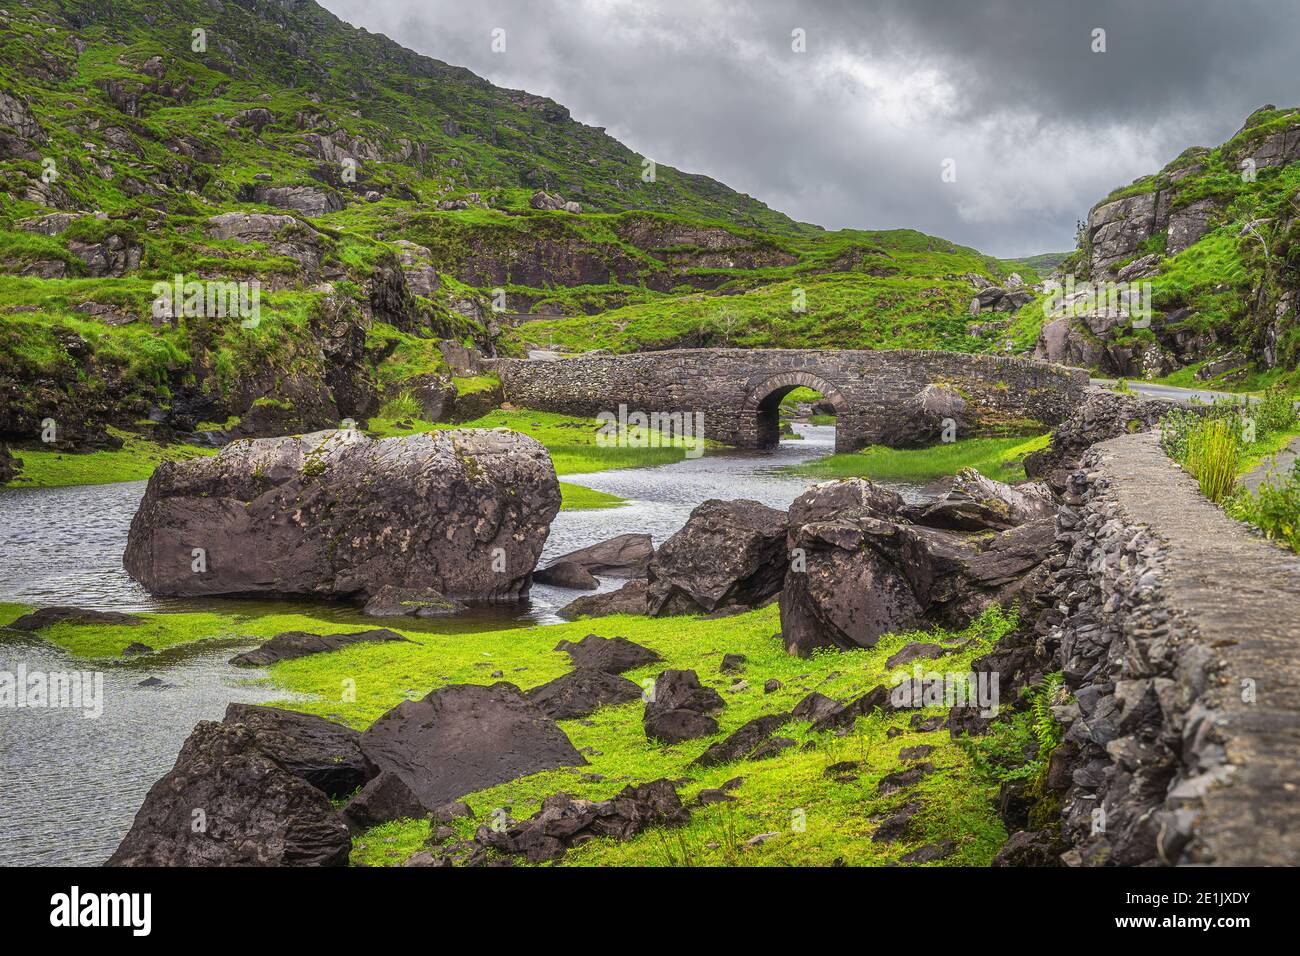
(1047, 729)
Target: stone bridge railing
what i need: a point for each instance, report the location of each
(738, 390)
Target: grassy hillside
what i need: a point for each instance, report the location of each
(383, 201)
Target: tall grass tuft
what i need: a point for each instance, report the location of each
(1213, 453)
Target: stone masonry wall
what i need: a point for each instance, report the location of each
(734, 387)
(1178, 633)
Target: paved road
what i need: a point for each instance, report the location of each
(1172, 393)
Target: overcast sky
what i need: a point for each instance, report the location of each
(855, 131)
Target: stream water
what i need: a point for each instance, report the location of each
(70, 786)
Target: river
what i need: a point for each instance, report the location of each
(70, 786)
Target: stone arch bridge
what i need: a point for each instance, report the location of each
(739, 390)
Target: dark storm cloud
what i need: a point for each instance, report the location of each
(855, 131)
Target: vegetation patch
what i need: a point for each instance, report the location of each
(999, 458)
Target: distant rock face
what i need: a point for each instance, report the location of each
(337, 514)
(227, 802)
(728, 553)
(463, 738)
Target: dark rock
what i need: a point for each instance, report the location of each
(727, 553)
(135, 648)
(291, 644)
(581, 692)
(742, 742)
(456, 810)
(916, 652)
(772, 685)
(893, 782)
(613, 655)
(47, 616)
(844, 771)
(629, 599)
(814, 707)
(153, 682)
(253, 811)
(771, 748)
(9, 465)
(919, 752)
(681, 708)
(325, 754)
(565, 821)
(566, 574)
(389, 601)
(1030, 848)
(899, 825)
(845, 715)
(445, 510)
(732, 663)
(385, 798)
(930, 852)
(977, 503)
(710, 795)
(626, 556)
(464, 738)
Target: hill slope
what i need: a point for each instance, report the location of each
(1216, 234)
(383, 201)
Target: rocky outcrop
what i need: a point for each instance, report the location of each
(863, 566)
(681, 708)
(325, 754)
(337, 514)
(977, 503)
(308, 200)
(743, 743)
(729, 553)
(463, 738)
(284, 236)
(227, 802)
(293, 644)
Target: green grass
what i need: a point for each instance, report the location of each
(358, 684)
(999, 458)
(134, 461)
(581, 498)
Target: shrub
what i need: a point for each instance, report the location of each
(1275, 412)
(1275, 510)
(1213, 452)
(401, 407)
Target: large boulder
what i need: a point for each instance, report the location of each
(859, 573)
(933, 413)
(626, 556)
(566, 574)
(681, 708)
(386, 797)
(227, 802)
(464, 512)
(463, 738)
(325, 754)
(729, 553)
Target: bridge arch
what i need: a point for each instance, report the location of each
(763, 402)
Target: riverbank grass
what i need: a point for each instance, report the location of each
(998, 458)
(813, 818)
(134, 461)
